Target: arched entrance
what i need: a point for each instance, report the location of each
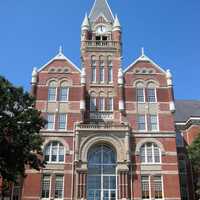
(101, 181)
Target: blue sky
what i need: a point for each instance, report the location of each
(31, 32)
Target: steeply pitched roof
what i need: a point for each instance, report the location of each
(101, 7)
(186, 109)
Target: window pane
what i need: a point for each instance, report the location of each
(158, 187)
(142, 154)
(61, 153)
(50, 121)
(45, 186)
(101, 74)
(145, 187)
(64, 93)
(101, 104)
(156, 154)
(59, 187)
(140, 94)
(93, 78)
(92, 104)
(110, 74)
(62, 121)
(153, 126)
(149, 153)
(141, 122)
(110, 104)
(47, 153)
(151, 95)
(52, 94)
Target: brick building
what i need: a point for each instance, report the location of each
(111, 131)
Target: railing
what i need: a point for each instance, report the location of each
(101, 115)
(100, 43)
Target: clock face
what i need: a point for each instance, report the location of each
(101, 29)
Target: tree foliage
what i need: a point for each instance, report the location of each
(194, 156)
(20, 123)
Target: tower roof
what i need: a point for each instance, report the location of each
(101, 7)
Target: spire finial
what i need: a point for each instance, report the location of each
(60, 49)
(142, 51)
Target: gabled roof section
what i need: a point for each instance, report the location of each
(186, 109)
(101, 7)
(143, 57)
(59, 56)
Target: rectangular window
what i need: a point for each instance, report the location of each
(62, 118)
(141, 122)
(59, 186)
(92, 104)
(101, 74)
(64, 93)
(50, 121)
(110, 104)
(153, 123)
(145, 187)
(140, 95)
(158, 187)
(93, 78)
(179, 139)
(52, 94)
(110, 74)
(149, 153)
(45, 186)
(151, 95)
(101, 103)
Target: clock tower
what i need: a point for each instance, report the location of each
(101, 60)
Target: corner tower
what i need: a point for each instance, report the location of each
(101, 59)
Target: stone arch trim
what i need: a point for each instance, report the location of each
(149, 140)
(61, 140)
(111, 140)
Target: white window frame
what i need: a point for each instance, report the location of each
(95, 104)
(162, 185)
(50, 184)
(63, 186)
(145, 120)
(144, 97)
(93, 74)
(155, 93)
(149, 183)
(65, 121)
(102, 73)
(56, 92)
(153, 154)
(67, 97)
(157, 123)
(57, 153)
(110, 74)
(54, 119)
(110, 99)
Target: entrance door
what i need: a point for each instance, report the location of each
(101, 183)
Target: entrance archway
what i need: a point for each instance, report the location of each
(101, 179)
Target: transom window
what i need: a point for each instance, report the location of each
(150, 153)
(54, 152)
(101, 182)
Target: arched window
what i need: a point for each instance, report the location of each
(64, 91)
(54, 152)
(150, 153)
(93, 60)
(151, 92)
(52, 91)
(101, 182)
(140, 92)
(110, 69)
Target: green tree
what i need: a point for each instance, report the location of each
(194, 156)
(20, 124)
